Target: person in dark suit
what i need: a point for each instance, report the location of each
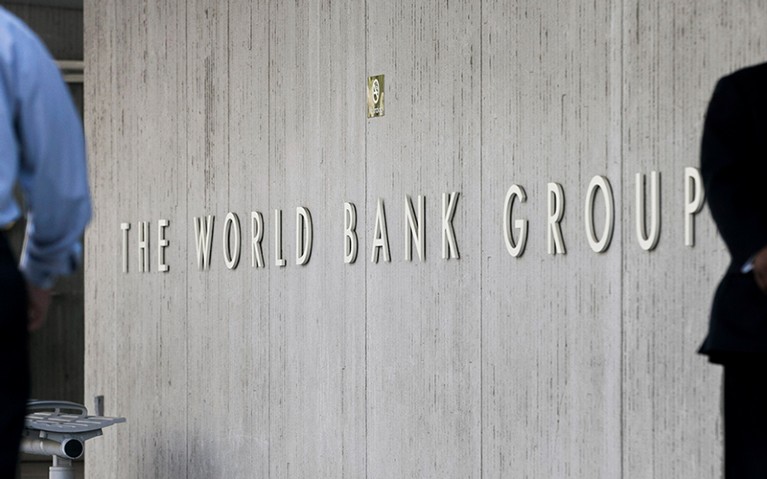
(734, 170)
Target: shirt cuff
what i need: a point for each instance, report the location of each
(39, 278)
(43, 272)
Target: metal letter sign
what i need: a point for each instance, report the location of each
(375, 96)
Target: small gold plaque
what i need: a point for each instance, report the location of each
(375, 96)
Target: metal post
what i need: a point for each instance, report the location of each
(98, 405)
(61, 469)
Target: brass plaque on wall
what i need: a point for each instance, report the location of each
(375, 96)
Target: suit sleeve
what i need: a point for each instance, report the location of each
(736, 194)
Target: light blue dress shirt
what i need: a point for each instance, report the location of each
(42, 149)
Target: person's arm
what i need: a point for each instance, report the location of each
(728, 163)
(52, 174)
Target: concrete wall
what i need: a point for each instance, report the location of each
(575, 365)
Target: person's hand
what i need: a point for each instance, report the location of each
(760, 269)
(38, 302)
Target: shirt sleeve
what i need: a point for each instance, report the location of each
(52, 174)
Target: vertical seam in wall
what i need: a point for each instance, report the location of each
(367, 458)
(269, 196)
(481, 245)
(624, 240)
(186, 214)
(228, 128)
(113, 91)
(228, 162)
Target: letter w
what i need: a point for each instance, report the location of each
(203, 231)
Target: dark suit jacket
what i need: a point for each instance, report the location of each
(734, 170)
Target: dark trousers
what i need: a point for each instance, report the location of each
(745, 419)
(14, 368)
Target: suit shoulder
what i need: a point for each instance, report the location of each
(744, 86)
(747, 76)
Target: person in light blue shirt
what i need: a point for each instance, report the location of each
(42, 151)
